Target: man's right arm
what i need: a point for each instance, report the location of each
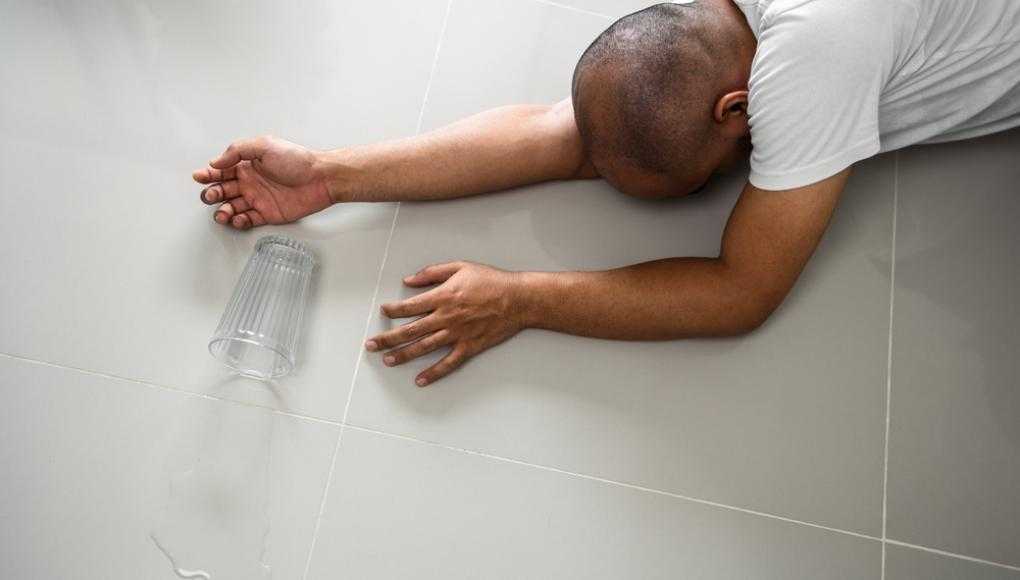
(497, 149)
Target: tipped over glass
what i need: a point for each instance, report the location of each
(260, 327)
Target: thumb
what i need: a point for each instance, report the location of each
(245, 149)
(433, 274)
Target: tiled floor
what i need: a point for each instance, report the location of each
(547, 457)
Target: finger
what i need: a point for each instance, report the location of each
(433, 274)
(220, 191)
(417, 349)
(236, 206)
(445, 366)
(224, 213)
(249, 219)
(414, 306)
(403, 333)
(212, 175)
(245, 149)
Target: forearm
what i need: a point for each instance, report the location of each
(493, 150)
(659, 300)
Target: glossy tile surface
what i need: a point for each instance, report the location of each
(910, 564)
(591, 451)
(612, 9)
(95, 467)
(508, 52)
(401, 509)
(954, 453)
(788, 420)
(112, 263)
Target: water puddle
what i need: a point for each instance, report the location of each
(213, 518)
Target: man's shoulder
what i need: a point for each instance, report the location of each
(838, 29)
(840, 18)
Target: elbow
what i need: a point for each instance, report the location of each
(751, 314)
(753, 321)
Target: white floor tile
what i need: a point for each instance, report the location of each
(96, 467)
(401, 509)
(110, 261)
(954, 448)
(505, 52)
(910, 564)
(610, 8)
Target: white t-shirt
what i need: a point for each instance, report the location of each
(837, 81)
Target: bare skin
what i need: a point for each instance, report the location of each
(472, 307)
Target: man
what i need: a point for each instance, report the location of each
(660, 101)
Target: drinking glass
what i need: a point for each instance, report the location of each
(258, 333)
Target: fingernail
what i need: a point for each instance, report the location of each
(371, 345)
(421, 382)
(389, 360)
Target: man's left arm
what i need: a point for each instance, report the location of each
(768, 239)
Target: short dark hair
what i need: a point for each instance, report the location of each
(660, 64)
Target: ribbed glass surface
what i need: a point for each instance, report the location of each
(260, 327)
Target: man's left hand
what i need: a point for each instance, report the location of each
(473, 308)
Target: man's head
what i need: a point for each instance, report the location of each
(660, 97)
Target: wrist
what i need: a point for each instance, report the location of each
(531, 292)
(335, 170)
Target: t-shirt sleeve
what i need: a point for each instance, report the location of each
(815, 86)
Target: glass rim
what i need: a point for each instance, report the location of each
(288, 365)
(288, 242)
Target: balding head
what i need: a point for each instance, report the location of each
(645, 93)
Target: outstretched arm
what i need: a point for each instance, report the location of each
(269, 180)
(769, 238)
(497, 149)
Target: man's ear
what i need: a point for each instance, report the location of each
(731, 112)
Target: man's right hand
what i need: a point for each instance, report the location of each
(264, 180)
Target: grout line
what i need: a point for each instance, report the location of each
(953, 555)
(176, 390)
(635, 487)
(372, 307)
(888, 369)
(617, 483)
(574, 9)
(516, 462)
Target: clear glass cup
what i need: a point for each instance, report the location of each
(258, 333)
